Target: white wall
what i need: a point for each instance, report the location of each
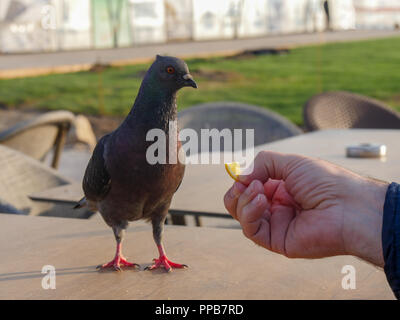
(22, 28)
(156, 21)
(147, 21)
(73, 24)
(179, 16)
(343, 14)
(377, 14)
(45, 25)
(3, 8)
(253, 19)
(214, 19)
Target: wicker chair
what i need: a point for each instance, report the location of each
(38, 136)
(5, 207)
(21, 176)
(268, 126)
(348, 110)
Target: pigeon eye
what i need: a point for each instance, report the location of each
(170, 70)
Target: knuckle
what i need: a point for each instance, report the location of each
(227, 201)
(241, 206)
(245, 232)
(260, 156)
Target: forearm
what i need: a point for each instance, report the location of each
(363, 220)
(373, 231)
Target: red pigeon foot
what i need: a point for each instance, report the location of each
(116, 264)
(163, 261)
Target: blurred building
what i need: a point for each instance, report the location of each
(50, 25)
(377, 14)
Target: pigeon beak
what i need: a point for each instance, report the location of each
(189, 82)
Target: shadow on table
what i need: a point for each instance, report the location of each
(77, 270)
(38, 274)
(104, 232)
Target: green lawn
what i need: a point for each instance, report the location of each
(281, 83)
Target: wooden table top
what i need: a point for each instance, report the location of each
(204, 186)
(223, 265)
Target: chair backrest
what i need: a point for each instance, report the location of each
(5, 207)
(21, 176)
(36, 137)
(268, 126)
(340, 109)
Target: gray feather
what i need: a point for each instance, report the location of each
(97, 181)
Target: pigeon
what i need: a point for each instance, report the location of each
(119, 181)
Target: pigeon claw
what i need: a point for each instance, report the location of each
(116, 264)
(164, 262)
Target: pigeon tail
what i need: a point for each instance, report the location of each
(81, 203)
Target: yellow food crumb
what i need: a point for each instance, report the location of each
(233, 170)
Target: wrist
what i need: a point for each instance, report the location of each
(363, 221)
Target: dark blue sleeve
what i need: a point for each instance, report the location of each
(391, 237)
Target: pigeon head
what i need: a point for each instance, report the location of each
(172, 73)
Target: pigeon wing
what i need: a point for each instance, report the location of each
(97, 181)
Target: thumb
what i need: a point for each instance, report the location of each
(270, 165)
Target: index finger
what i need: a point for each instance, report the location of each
(269, 165)
(231, 198)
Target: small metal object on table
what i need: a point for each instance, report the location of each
(366, 150)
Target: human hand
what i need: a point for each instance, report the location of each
(308, 208)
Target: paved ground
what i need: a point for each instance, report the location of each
(75, 60)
